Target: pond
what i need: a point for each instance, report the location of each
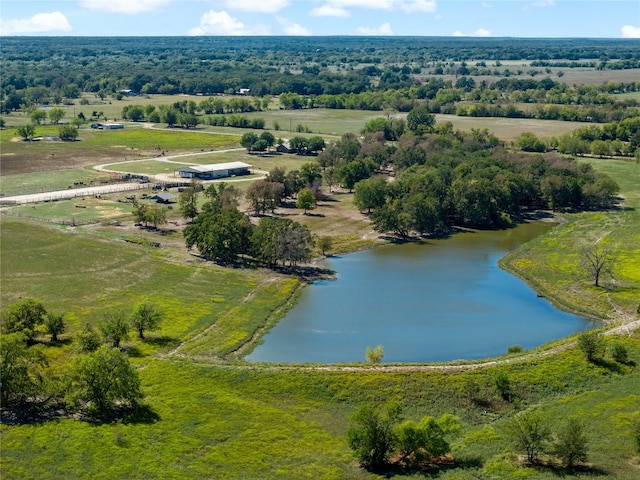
(439, 300)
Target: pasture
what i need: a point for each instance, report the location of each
(208, 414)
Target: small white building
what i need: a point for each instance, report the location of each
(217, 170)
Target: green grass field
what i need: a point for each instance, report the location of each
(211, 418)
(552, 262)
(211, 415)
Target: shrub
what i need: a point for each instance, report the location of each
(514, 349)
(619, 352)
(375, 355)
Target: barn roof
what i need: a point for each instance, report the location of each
(216, 167)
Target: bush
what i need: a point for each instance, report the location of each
(375, 355)
(619, 352)
(371, 435)
(591, 344)
(514, 349)
(570, 445)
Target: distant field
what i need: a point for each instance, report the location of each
(47, 181)
(509, 129)
(102, 146)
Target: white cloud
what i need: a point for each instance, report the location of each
(39, 23)
(257, 6)
(221, 23)
(369, 4)
(481, 32)
(544, 3)
(418, 6)
(486, 5)
(629, 31)
(291, 28)
(384, 29)
(339, 8)
(329, 11)
(130, 7)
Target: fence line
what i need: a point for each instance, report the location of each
(58, 221)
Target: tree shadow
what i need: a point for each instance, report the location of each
(582, 470)
(609, 365)
(138, 414)
(161, 341)
(143, 414)
(132, 351)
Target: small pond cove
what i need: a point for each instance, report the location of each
(432, 301)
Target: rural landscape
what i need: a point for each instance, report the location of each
(165, 205)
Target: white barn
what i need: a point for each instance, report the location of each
(217, 170)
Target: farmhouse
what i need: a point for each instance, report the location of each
(218, 170)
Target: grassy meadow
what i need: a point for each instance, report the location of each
(208, 414)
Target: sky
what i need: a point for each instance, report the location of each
(472, 18)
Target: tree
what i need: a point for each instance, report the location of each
(502, 384)
(299, 144)
(420, 120)
(115, 328)
(371, 435)
(104, 377)
(67, 132)
(24, 317)
(619, 352)
(571, 443)
(352, 172)
(310, 173)
(156, 215)
(146, 317)
(591, 344)
(268, 138)
(426, 440)
(374, 355)
(20, 366)
(315, 144)
(281, 240)
(248, 140)
(188, 201)
(77, 122)
(54, 325)
(529, 142)
(264, 196)
(139, 212)
(219, 233)
(370, 193)
(88, 340)
(188, 120)
(324, 244)
(56, 114)
(306, 200)
(597, 261)
(38, 116)
(529, 431)
(26, 131)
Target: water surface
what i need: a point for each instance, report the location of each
(440, 300)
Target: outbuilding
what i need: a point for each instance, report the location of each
(164, 198)
(217, 170)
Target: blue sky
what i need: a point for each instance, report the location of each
(497, 18)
